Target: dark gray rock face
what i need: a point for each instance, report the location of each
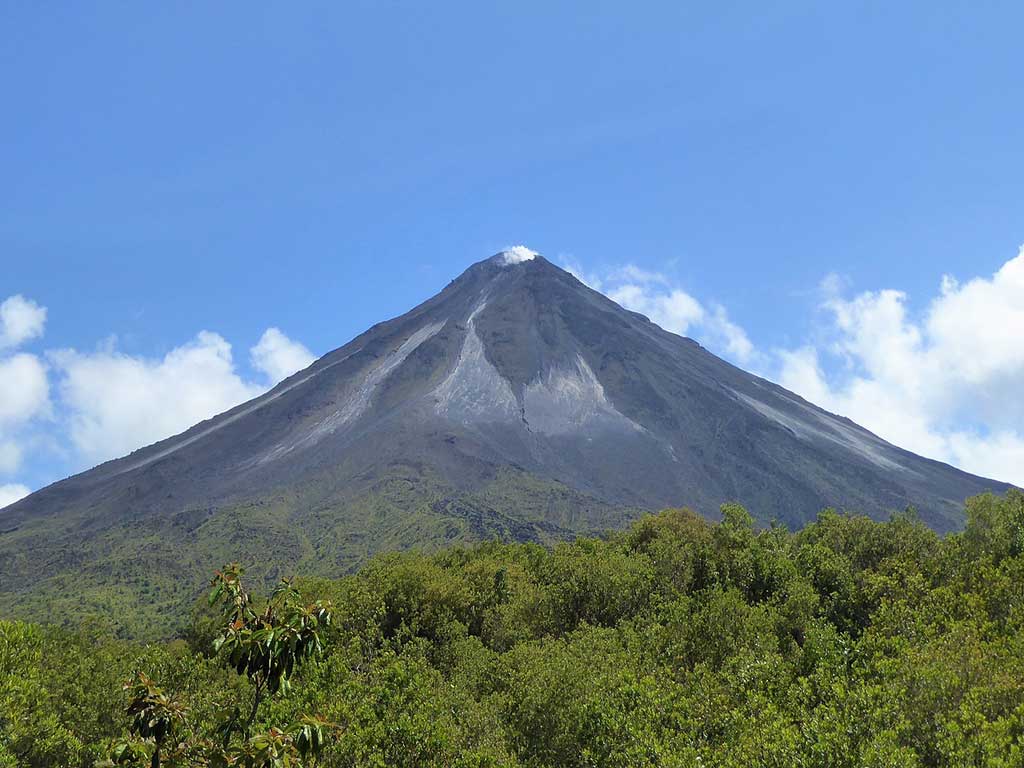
(521, 365)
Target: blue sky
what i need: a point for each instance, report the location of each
(826, 180)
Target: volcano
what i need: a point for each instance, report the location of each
(516, 404)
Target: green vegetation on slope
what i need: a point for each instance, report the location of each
(139, 576)
(675, 643)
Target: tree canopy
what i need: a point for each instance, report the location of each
(678, 642)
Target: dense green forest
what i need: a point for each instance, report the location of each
(675, 643)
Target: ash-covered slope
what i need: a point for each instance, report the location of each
(516, 403)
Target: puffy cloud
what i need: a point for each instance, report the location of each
(997, 454)
(24, 389)
(982, 322)
(117, 403)
(673, 310)
(11, 493)
(24, 386)
(111, 403)
(10, 456)
(653, 294)
(946, 384)
(279, 357)
(21, 320)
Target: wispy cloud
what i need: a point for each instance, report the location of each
(670, 306)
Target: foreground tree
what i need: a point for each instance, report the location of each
(850, 644)
(266, 646)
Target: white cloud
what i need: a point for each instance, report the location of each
(631, 273)
(21, 320)
(10, 456)
(117, 403)
(11, 493)
(279, 357)
(732, 338)
(517, 254)
(111, 403)
(674, 310)
(24, 389)
(653, 294)
(574, 268)
(24, 386)
(946, 384)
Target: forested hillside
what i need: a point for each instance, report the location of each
(676, 643)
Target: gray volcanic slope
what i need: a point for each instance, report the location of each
(516, 403)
